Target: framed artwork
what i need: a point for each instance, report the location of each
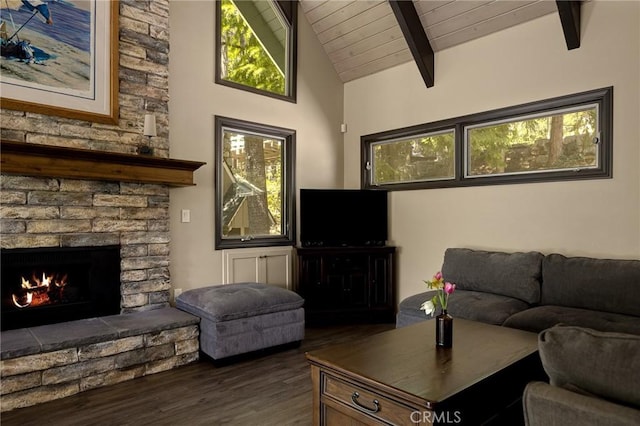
(60, 58)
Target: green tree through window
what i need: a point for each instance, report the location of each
(253, 45)
(558, 141)
(254, 184)
(424, 157)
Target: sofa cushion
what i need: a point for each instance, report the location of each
(600, 284)
(593, 362)
(484, 307)
(542, 317)
(472, 305)
(232, 301)
(507, 274)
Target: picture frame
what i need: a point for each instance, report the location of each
(91, 97)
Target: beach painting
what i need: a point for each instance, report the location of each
(60, 57)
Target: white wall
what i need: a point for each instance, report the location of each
(195, 99)
(522, 64)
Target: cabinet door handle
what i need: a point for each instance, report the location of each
(376, 404)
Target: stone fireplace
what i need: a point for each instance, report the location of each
(50, 285)
(40, 213)
(61, 231)
(109, 198)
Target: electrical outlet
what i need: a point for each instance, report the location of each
(186, 216)
(177, 292)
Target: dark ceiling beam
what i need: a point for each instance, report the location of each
(417, 39)
(569, 12)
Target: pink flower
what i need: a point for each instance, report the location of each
(442, 291)
(449, 288)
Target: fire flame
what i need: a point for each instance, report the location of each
(36, 291)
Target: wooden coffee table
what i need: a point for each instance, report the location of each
(400, 377)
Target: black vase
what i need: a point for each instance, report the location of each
(444, 330)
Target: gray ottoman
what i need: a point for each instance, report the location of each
(244, 317)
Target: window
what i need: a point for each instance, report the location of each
(428, 156)
(254, 184)
(256, 45)
(566, 140)
(557, 139)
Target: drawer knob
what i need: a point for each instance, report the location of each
(376, 404)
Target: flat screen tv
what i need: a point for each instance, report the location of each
(343, 217)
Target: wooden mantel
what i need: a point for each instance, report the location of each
(59, 162)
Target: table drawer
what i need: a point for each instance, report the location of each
(368, 402)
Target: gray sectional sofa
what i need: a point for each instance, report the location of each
(587, 314)
(532, 291)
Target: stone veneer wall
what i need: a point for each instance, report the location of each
(40, 212)
(50, 212)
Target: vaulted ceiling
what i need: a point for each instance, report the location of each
(362, 37)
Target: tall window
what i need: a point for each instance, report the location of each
(557, 139)
(255, 47)
(254, 184)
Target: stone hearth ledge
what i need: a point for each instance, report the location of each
(53, 337)
(41, 364)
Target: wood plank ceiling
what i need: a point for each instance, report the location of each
(362, 37)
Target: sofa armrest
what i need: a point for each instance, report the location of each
(595, 362)
(546, 405)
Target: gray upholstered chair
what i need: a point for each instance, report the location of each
(594, 379)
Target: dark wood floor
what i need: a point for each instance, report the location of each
(273, 389)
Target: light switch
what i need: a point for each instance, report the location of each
(186, 216)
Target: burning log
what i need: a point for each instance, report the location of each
(39, 292)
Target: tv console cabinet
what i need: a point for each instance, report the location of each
(347, 284)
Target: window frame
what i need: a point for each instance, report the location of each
(288, 136)
(289, 13)
(603, 98)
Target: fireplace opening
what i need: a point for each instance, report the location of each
(56, 284)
